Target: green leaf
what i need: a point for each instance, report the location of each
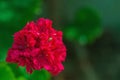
(21, 78)
(40, 75)
(6, 72)
(23, 72)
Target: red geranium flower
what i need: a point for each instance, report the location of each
(38, 46)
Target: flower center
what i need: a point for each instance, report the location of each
(50, 38)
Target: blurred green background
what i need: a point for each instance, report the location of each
(91, 33)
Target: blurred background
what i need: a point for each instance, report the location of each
(91, 33)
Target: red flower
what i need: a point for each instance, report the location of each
(38, 46)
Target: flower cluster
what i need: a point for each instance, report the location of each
(38, 46)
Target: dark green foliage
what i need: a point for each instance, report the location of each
(85, 28)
